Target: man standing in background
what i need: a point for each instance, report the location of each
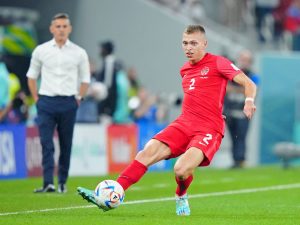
(61, 65)
(107, 75)
(237, 122)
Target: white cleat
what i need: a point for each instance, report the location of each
(182, 205)
(90, 197)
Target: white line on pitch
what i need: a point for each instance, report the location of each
(213, 194)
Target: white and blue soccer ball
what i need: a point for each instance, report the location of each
(109, 194)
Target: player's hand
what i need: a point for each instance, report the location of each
(249, 109)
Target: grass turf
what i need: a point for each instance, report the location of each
(18, 205)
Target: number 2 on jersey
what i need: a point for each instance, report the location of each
(206, 139)
(192, 84)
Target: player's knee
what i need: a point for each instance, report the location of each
(152, 153)
(141, 155)
(147, 155)
(182, 171)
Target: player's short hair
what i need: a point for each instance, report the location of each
(194, 28)
(60, 16)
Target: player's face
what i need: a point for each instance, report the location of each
(194, 46)
(61, 29)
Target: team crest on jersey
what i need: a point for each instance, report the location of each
(204, 71)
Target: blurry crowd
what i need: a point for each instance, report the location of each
(14, 103)
(115, 95)
(282, 19)
(274, 21)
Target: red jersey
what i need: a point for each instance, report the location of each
(204, 86)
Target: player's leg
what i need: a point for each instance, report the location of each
(184, 169)
(166, 144)
(153, 152)
(201, 151)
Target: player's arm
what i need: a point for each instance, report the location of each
(250, 93)
(234, 88)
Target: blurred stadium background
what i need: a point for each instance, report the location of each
(147, 36)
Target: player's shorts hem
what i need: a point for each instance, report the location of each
(179, 142)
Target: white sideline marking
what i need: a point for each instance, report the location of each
(213, 194)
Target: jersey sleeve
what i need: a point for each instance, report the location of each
(183, 69)
(227, 68)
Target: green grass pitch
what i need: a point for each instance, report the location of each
(262, 195)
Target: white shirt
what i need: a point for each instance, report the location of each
(109, 67)
(61, 69)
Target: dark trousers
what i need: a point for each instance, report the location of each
(238, 128)
(59, 113)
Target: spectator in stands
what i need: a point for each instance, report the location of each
(233, 13)
(63, 68)
(172, 4)
(88, 108)
(14, 85)
(4, 92)
(264, 8)
(134, 83)
(121, 113)
(237, 122)
(146, 108)
(279, 15)
(193, 9)
(134, 86)
(107, 75)
(292, 23)
(18, 111)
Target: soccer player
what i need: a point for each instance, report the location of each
(196, 135)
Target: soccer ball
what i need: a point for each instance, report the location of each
(109, 194)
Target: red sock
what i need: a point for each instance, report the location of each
(132, 174)
(182, 185)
